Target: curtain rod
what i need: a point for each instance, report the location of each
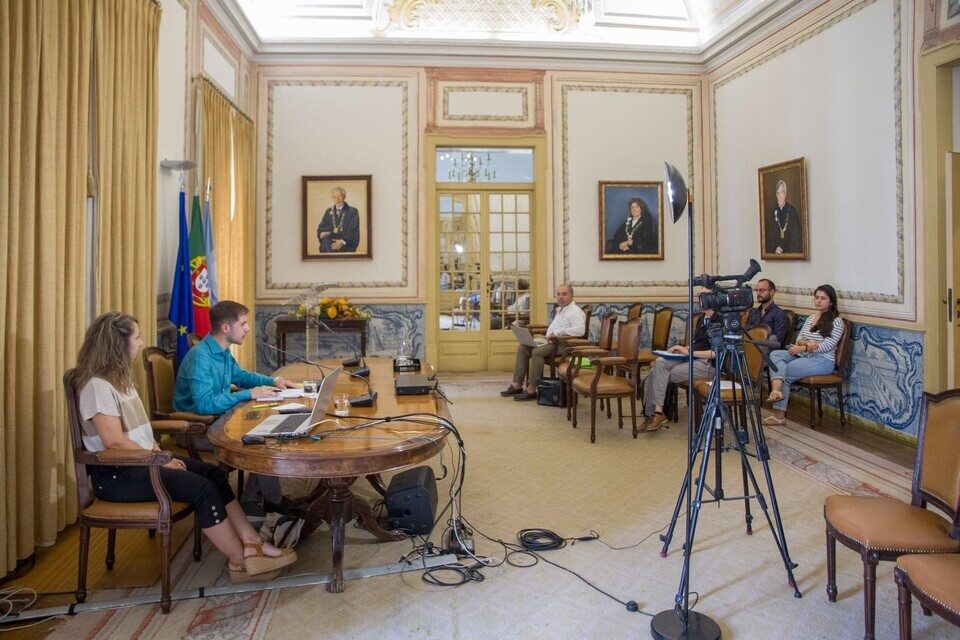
(202, 78)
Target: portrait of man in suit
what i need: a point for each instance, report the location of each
(336, 217)
(783, 218)
(339, 229)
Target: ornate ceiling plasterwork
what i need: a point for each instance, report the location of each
(479, 16)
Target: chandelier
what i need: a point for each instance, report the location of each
(470, 166)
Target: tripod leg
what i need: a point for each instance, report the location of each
(697, 446)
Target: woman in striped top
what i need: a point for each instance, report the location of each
(813, 354)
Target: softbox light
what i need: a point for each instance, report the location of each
(676, 190)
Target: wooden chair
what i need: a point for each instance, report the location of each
(933, 580)
(635, 310)
(94, 512)
(613, 377)
(882, 529)
(193, 340)
(672, 405)
(659, 336)
(734, 397)
(791, 328)
(160, 385)
(602, 347)
(834, 380)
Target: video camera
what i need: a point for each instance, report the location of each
(728, 299)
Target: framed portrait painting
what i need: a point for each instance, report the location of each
(631, 220)
(336, 217)
(784, 232)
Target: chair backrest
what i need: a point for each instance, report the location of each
(697, 319)
(751, 352)
(193, 340)
(84, 489)
(607, 324)
(635, 310)
(160, 381)
(660, 334)
(844, 349)
(936, 474)
(791, 328)
(587, 311)
(628, 339)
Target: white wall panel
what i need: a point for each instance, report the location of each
(619, 132)
(831, 99)
(339, 126)
(219, 67)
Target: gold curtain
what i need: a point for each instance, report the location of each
(125, 103)
(44, 89)
(227, 162)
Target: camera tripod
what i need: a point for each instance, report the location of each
(727, 340)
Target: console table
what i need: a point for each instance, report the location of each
(293, 325)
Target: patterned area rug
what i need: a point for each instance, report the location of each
(528, 468)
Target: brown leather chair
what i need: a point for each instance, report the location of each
(933, 580)
(94, 512)
(635, 310)
(791, 328)
(882, 529)
(832, 380)
(734, 397)
(672, 405)
(160, 384)
(659, 336)
(613, 377)
(193, 340)
(602, 347)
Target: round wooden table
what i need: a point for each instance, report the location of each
(342, 455)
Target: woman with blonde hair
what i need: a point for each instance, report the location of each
(114, 418)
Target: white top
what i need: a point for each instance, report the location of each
(100, 396)
(828, 345)
(568, 321)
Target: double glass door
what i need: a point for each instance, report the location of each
(485, 252)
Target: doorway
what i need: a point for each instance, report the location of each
(487, 249)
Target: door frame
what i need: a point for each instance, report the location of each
(540, 241)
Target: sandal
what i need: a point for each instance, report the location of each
(259, 563)
(240, 576)
(774, 421)
(775, 396)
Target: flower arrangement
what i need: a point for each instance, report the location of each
(330, 309)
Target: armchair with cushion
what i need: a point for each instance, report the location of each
(613, 377)
(659, 336)
(575, 351)
(883, 529)
(933, 580)
(93, 512)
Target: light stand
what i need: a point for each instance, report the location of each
(680, 623)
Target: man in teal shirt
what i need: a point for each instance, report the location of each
(204, 379)
(205, 375)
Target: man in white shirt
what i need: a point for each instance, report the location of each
(568, 320)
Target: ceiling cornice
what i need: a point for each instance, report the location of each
(733, 40)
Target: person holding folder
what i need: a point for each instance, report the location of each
(568, 320)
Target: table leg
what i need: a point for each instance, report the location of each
(340, 508)
(376, 481)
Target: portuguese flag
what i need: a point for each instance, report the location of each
(198, 273)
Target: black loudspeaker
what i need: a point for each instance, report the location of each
(551, 392)
(412, 501)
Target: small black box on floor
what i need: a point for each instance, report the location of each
(411, 501)
(551, 392)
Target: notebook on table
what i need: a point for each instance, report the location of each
(526, 338)
(299, 424)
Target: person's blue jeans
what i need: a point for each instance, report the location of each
(793, 368)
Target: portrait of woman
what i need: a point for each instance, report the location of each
(631, 221)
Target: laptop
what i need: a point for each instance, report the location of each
(526, 338)
(298, 424)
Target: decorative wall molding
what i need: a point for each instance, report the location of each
(428, 15)
(565, 91)
(289, 288)
(442, 83)
(938, 28)
(754, 63)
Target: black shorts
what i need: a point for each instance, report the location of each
(202, 485)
